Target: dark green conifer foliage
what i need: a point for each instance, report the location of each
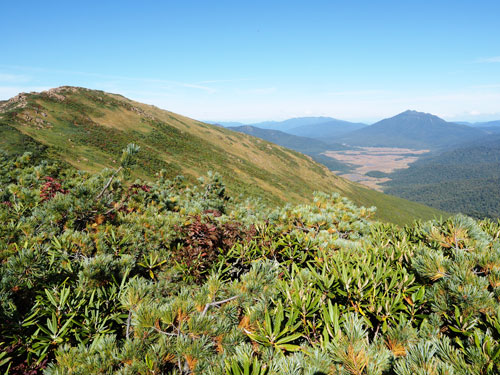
(101, 274)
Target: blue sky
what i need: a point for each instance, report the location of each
(261, 60)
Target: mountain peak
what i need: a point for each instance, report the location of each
(416, 116)
(412, 129)
(413, 112)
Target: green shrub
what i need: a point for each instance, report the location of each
(101, 274)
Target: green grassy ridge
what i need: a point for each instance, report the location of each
(89, 128)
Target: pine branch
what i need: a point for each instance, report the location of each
(108, 183)
(165, 333)
(128, 323)
(217, 303)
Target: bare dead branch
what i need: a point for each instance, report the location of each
(208, 305)
(108, 183)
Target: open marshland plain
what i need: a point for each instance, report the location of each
(366, 160)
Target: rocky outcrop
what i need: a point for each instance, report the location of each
(17, 102)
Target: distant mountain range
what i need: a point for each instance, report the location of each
(284, 125)
(311, 127)
(492, 127)
(329, 131)
(309, 146)
(412, 129)
(288, 125)
(485, 124)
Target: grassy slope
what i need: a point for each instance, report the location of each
(88, 129)
(308, 146)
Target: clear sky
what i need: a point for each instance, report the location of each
(263, 60)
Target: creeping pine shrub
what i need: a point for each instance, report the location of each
(100, 274)
(202, 240)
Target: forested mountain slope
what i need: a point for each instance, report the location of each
(465, 179)
(294, 142)
(291, 123)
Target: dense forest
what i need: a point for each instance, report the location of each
(100, 274)
(465, 179)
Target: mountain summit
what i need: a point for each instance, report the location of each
(412, 129)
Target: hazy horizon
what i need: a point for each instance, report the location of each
(366, 122)
(227, 61)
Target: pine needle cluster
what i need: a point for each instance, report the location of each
(101, 274)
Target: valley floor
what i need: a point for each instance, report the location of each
(375, 159)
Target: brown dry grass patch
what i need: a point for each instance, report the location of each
(383, 159)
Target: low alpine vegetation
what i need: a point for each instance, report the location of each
(103, 275)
